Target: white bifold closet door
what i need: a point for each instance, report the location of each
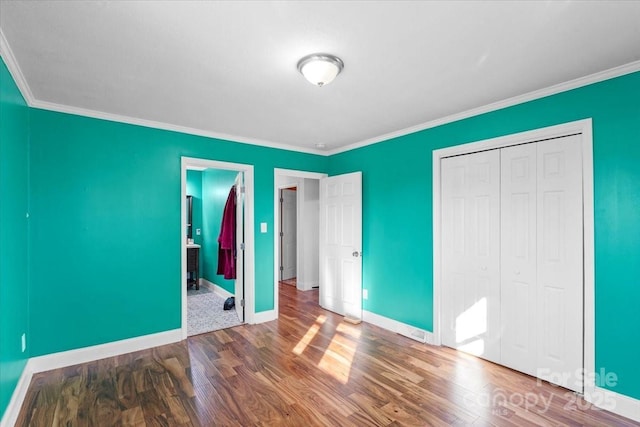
(471, 253)
(518, 276)
(539, 300)
(560, 250)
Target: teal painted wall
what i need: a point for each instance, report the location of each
(106, 233)
(216, 184)
(194, 188)
(397, 211)
(102, 257)
(14, 198)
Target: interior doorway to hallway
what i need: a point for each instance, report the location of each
(288, 235)
(296, 230)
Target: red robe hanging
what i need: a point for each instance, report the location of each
(227, 238)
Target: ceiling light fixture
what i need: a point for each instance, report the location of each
(320, 68)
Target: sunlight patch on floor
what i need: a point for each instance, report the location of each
(338, 357)
(351, 330)
(308, 337)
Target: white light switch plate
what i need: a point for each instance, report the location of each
(263, 227)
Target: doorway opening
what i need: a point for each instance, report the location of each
(296, 230)
(288, 235)
(221, 205)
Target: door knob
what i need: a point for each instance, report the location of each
(356, 254)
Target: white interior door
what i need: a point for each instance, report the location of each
(239, 282)
(519, 306)
(471, 253)
(289, 234)
(341, 244)
(560, 261)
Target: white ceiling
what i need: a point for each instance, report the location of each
(228, 69)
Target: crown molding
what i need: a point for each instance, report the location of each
(629, 68)
(50, 106)
(10, 60)
(12, 64)
(21, 82)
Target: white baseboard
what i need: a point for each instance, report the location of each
(80, 355)
(392, 325)
(222, 292)
(217, 289)
(15, 404)
(101, 351)
(264, 316)
(306, 286)
(614, 402)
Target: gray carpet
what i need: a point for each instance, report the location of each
(204, 289)
(205, 312)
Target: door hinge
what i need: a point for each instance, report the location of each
(242, 303)
(242, 189)
(281, 200)
(281, 268)
(242, 246)
(281, 233)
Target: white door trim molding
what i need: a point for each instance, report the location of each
(277, 173)
(583, 127)
(191, 163)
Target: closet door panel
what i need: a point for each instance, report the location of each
(518, 257)
(560, 261)
(454, 244)
(453, 181)
(470, 253)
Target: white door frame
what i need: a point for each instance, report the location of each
(191, 163)
(278, 173)
(583, 127)
(238, 289)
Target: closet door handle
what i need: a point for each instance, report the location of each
(356, 254)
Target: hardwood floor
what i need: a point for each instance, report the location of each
(307, 368)
(290, 282)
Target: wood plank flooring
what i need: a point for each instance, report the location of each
(308, 368)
